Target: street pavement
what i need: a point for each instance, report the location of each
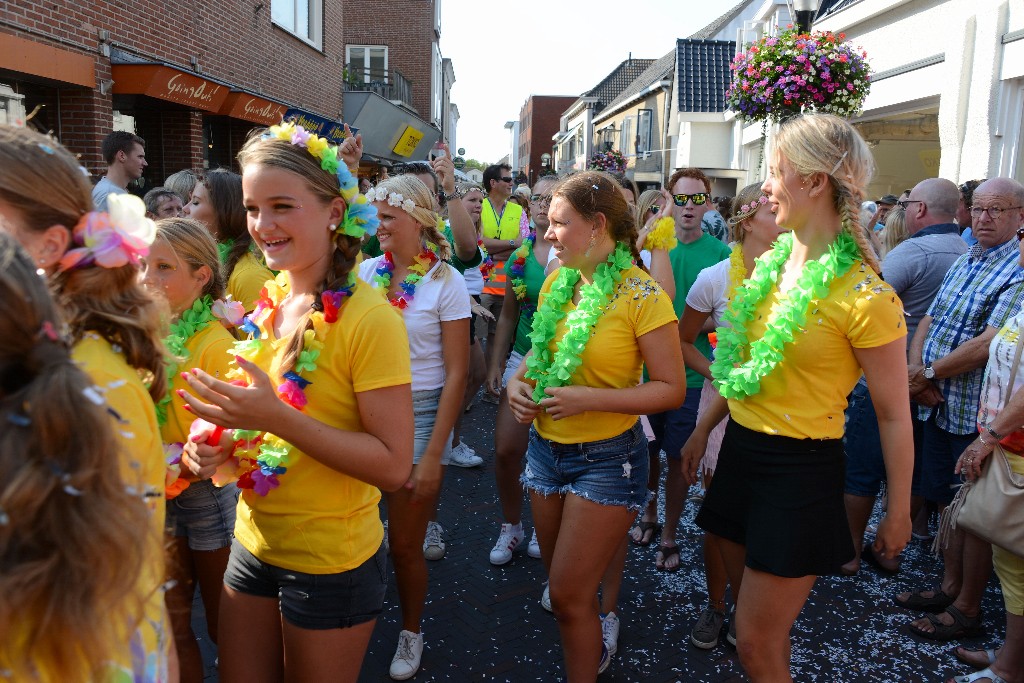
(485, 623)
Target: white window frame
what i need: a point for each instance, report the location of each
(316, 21)
(366, 61)
(626, 137)
(644, 131)
(437, 85)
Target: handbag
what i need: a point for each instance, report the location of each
(992, 506)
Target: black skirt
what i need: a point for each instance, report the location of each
(782, 498)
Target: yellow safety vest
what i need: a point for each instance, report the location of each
(499, 226)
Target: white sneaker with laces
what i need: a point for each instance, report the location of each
(433, 544)
(545, 598)
(610, 632)
(509, 538)
(533, 550)
(464, 456)
(406, 661)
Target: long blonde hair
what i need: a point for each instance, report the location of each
(195, 246)
(432, 225)
(823, 143)
(72, 539)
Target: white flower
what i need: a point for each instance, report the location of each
(408, 205)
(395, 199)
(128, 214)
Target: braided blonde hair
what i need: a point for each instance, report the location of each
(431, 223)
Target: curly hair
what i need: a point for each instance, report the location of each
(594, 192)
(72, 540)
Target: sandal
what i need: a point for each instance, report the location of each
(963, 655)
(962, 626)
(917, 602)
(644, 527)
(977, 676)
(667, 551)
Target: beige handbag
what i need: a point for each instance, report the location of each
(992, 506)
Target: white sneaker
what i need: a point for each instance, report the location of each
(433, 544)
(464, 456)
(509, 538)
(610, 632)
(545, 598)
(406, 661)
(533, 550)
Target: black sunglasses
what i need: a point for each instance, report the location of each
(654, 208)
(699, 198)
(507, 179)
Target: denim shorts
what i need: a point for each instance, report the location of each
(608, 472)
(673, 427)
(204, 514)
(515, 359)
(424, 412)
(865, 464)
(312, 601)
(940, 451)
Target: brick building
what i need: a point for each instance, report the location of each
(193, 78)
(538, 121)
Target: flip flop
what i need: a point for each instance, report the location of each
(667, 551)
(959, 651)
(917, 602)
(868, 555)
(644, 527)
(963, 626)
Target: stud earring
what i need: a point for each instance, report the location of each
(332, 227)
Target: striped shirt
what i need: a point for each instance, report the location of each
(984, 287)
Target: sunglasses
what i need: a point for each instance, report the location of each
(1020, 234)
(654, 209)
(506, 179)
(698, 198)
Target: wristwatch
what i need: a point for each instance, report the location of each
(929, 372)
(511, 243)
(449, 197)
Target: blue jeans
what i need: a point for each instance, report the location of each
(424, 411)
(673, 427)
(608, 472)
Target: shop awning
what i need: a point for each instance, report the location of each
(29, 57)
(170, 84)
(249, 107)
(389, 131)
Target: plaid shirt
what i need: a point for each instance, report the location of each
(984, 287)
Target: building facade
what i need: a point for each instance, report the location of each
(539, 120)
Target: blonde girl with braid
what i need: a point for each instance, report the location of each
(431, 296)
(318, 414)
(813, 315)
(115, 328)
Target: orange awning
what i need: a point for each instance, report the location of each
(168, 83)
(242, 105)
(36, 59)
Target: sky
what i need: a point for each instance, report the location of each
(496, 56)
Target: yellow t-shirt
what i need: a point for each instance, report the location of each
(321, 521)
(209, 350)
(805, 395)
(247, 279)
(611, 359)
(142, 467)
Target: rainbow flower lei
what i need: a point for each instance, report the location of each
(360, 215)
(487, 265)
(407, 288)
(263, 457)
(555, 370)
(737, 378)
(517, 272)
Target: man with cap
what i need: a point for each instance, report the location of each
(885, 205)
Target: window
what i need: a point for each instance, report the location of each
(301, 18)
(626, 136)
(438, 87)
(367, 64)
(645, 119)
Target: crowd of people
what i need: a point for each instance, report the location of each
(251, 384)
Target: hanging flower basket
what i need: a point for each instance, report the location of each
(611, 161)
(780, 76)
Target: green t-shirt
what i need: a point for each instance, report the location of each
(687, 262)
(372, 249)
(533, 275)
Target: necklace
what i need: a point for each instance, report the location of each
(191, 322)
(487, 265)
(407, 288)
(737, 378)
(737, 271)
(555, 370)
(263, 457)
(517, 271)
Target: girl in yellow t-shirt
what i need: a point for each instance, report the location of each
(794, 341)
(183, 267)
(599, 319)
(71, 539)
(115, 329)
(216, 202)
(319, 414)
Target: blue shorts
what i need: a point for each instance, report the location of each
(865, 465)
(424, 412)
(941, 450)
(673, 427)
(204, 514)
(608, 472)
(312, 601)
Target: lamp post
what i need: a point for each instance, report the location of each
(545, 163)
(805, 11)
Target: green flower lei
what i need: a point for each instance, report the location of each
(555, 370)
(191, 322)
(736, 378)
(224, 249)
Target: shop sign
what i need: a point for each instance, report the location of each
(334, 131)
(168, 83)
(242, 105)
(408, 141)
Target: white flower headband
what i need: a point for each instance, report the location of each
(392, 198)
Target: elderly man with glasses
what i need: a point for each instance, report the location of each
(947, 358)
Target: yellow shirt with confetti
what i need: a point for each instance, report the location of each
(142, 468)
(805, 395)
(611, 359)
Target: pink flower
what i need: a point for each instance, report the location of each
(230, 311)
(292, 394)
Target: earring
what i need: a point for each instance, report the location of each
(332, 227)
(593, 241)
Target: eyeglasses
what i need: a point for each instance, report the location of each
(506, 179)
(698, 198)
(993, 211)
(903, 203)
(541, 198)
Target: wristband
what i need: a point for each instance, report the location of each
(981, 438)
(449, 197)
(996, 435)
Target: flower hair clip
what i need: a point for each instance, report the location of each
(360, 216)
(754, 205)
(113, 239)
(395, 199)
